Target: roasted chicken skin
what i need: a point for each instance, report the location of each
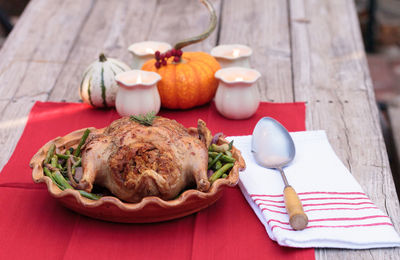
(133, 160)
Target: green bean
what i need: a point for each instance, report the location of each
(228, 153)
(227, 159)
(66, 157)
(224, 158)
(64, 172)
(214, 160)
(50, 153)
(210, 159)
(76, 164)
(61, 180)
(219, 148)
(54, 161)
(56, 176)
(85, 135)
(51, 168)
(218, 165)
(212, 154)
(220, 172)
(62, 183)
(63, 156)
(89, 195)
(50, 175)
(224, 175)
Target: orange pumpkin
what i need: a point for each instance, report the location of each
(188, 83)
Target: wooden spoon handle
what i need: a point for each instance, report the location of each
(297, 218)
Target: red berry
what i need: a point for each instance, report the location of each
(157, 55)
(162, 56)
(168, 54)
(158, 64)
(164, 63)
(177, 59)
(173, 52)
(179, 53)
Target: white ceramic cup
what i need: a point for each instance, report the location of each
(237, 96)
(144, 51)
(232, 55)
(137, 92)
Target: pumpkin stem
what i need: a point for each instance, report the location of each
(206, 33)
(102, 57)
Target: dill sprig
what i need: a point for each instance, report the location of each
(144, 119)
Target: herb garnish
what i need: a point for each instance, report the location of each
(144, 119)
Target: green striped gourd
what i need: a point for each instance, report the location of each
(98, 86)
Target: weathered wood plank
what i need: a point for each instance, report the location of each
(110, 32)
(42, 45)
(394, 120)
(330, 73)
(32, 59)
(262, 25)
(394, 115)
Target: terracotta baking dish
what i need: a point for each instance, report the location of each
(150, 209)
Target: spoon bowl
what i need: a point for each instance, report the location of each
(273, 147)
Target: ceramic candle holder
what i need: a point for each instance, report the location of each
(144, 51)
(137, 92)
(237, 96)
(232, 55)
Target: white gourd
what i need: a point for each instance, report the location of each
(98, 86)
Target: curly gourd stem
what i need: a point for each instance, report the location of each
(206, 33)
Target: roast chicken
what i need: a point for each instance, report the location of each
(133, 160)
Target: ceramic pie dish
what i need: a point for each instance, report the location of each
(149, 209)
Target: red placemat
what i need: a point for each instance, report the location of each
(33, 225)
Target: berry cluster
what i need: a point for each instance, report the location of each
(161, 58)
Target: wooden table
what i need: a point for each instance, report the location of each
(306, 50)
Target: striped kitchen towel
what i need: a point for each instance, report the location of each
(340, 214)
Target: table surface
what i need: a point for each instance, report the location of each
(306, 50)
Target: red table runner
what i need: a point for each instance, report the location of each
(33, 225)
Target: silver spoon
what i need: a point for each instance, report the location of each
(273, 147)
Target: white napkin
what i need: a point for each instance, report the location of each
(340, 213)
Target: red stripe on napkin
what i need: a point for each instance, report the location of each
(308, 210)
(33, 225)
(343, 226)
(338, 203)
(333, 219)
(319, 204)
(311, 192)
(306, 199)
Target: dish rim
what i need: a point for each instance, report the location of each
(73, 138)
